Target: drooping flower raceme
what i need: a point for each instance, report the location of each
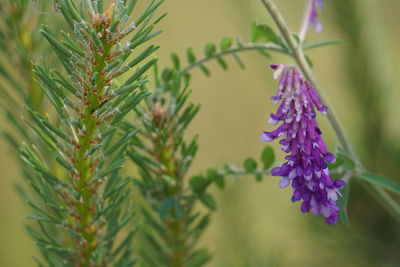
(313, 16)
(306, 166)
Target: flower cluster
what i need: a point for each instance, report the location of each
(313, 17)
(306, 167)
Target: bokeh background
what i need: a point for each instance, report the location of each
(256, 223)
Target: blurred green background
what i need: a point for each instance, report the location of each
(256, 223)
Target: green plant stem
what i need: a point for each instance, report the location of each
(177, 258)
(300, 58)
(85, 165)
(244, 47)
(176, 226)
(306, 21)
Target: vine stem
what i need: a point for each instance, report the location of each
(298, 55)
(306, 21)
(241, 48)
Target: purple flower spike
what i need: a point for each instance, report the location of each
(313, 17)
(306, 168)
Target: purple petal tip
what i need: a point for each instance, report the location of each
(266, 138)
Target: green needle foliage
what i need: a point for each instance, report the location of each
(20, 43)
(163, 157)
(83, 205)
(163, 153)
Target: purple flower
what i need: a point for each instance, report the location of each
(313, 17)
(306, 166)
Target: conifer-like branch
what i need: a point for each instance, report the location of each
(164, 153)
(18, 47)
(163, 157)
(86, 203)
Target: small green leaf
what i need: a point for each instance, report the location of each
(259, 177)
(176, 61)
(226, 43)
(210, 49)
(342, 202)
(209, 201)
(264, 32)
(167, 74)
(202, 224)
(198, 183)
(214, 176)
(222, 63)
(250, 165)
(204, 70)
(255, 33)
(267, 157)
(381, 181)
(166, 207)
(190, 55)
